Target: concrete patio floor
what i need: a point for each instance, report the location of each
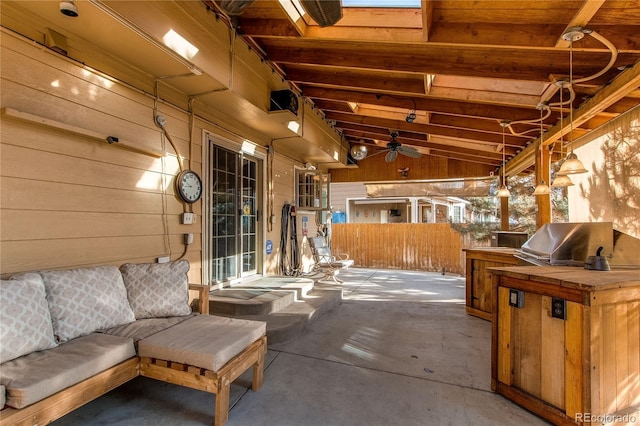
(399, 350)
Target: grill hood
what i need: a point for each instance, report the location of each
(569, 244)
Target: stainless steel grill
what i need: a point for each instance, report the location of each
(569, 244)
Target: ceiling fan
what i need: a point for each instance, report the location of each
(394, 147)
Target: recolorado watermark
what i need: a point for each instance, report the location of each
(606, 418)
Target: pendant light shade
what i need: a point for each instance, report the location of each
(542, 188)
(359, 152)
(504, 192)
(571, 166)
(561, 181)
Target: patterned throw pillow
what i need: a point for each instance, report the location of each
(84, 300)
(157, 290)
(25, 322)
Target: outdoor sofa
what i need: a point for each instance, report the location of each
(69, 336)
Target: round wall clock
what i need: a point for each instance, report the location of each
(189, 186)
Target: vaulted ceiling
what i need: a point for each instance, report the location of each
(462, 66)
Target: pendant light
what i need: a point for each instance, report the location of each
(561, 180)
(572, 164)
(504, 191)
(542, 188)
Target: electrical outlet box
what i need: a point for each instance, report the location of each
(188, 218)
(516, 298)
(188, 238)
(163, 259)
(559, 308)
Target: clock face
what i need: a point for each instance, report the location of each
(189, 186)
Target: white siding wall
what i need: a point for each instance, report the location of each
(340, 192)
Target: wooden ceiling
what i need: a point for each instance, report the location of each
(464, 66)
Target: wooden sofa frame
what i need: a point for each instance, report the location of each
(217, 382)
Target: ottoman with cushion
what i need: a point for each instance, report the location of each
(206, 353)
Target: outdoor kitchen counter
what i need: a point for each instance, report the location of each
(478, 260)
(573, 277)
(565, 341)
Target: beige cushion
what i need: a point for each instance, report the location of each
(33, 377)
(157, 289)
(84, 300)
(25, 323)
(142, 328)
(204, 341)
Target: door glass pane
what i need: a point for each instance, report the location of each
(249, 215)
(234, 215)
(224, 241)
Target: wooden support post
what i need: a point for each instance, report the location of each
(543, 201)
(504, 213)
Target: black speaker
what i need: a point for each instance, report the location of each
(324, 12)
(282, 100)
(234, 7)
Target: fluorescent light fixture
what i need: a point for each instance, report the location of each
(294, 126)
(248, 147)
(179, 44)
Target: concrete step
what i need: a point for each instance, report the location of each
(290, 321)
(232, 301)
(301, 286)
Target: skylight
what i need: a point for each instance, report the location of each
(381, 3)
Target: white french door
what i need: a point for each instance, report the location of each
(235, 197)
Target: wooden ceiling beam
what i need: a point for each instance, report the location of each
(443, 120)
(426, 6)
(588, 9)
(479, 35)
(451, 60)
(268, 28)
(388, 17)
(405, 86)
(521, 36)
(438, 142)
(424, 128)
(435, 149)
(459, 108)
(477, 125)
(330, 105)
(350, 78)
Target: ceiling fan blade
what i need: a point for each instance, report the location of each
(391, 155)
(409, 151)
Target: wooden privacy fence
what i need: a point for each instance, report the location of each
(411, 246)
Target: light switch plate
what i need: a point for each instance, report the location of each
(188, 218)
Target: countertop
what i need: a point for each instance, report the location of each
(573, 277)
(504, 250)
